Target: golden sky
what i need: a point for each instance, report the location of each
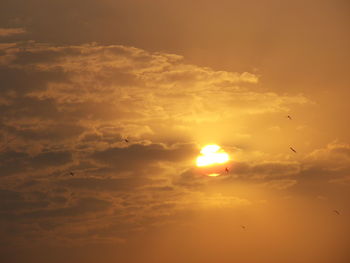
(77, 78)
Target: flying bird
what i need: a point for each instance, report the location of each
(293, 149)
(289, 117)
(337, 212)
(126, 140)
(243, 227)
(71, 173)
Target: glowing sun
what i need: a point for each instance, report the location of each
(212, 159)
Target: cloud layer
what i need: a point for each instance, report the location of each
(69, 179)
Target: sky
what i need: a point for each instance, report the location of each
(79, 78)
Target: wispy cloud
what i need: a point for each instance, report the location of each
(5, 32)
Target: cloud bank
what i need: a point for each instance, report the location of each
(70, 108)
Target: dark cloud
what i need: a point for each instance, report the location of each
(9, 206)
(268, 169)
(12, 201)
(82, 207)
(25, 107)
(107, 184)
(17, 162)
(51, 159)
(22, 81)
(13, 162)
(9, 195)
(53, 131)
(140, 155)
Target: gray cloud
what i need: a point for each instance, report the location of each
(16, 162)
(140, 155)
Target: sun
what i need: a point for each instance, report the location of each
(212, 154)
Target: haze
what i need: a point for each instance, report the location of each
(105, 106)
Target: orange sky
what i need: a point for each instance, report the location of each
(79, 77)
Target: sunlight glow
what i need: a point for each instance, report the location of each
(213, 175)
(212, 154)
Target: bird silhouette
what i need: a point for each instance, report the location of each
(126, 140)
(243, 227)
(293, 149)
(289, 117)
(337, 212)
(71, 173)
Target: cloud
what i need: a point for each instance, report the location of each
(106, 184)
(141, 155)
(13, 162)
(281, 184)
(51, 159)
(5, 32)
(70, 109)
(89, 96)
(267, 169)
(83, 206)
